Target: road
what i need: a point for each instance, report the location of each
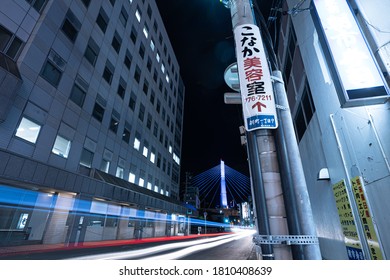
(236, 246)
(231, 246)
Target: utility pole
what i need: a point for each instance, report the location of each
(257, 94)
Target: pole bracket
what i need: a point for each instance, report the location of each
(281, 107)
(277, 79)
(285, 239)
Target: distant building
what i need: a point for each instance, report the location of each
(347, 142)
(91, 120)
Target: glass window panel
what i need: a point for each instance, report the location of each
(61, 147)
(28, 130)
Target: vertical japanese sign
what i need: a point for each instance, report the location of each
(258, 102)
(365, 217)
(347, 221)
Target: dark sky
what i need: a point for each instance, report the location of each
(201, 34)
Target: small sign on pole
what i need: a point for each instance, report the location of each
(258, 101)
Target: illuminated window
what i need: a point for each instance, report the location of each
(137, 143)
(145, 152)
(105, 165)
(131, 177)
(163, 68)
(61, 147)
(119, 172)
(146, 31)
(158, 57)
(152, 45)
(138, 15)
(149, 186)
(28, 130)
(141, 182)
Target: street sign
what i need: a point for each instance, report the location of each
(258, 101)
(231, 77)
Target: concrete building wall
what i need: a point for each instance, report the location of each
(348, 141)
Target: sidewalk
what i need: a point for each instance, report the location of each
(44, 248)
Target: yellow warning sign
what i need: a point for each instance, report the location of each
(347, 221)
(366, 219)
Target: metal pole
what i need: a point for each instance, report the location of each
(304, 211)
(262, 149)
(259, 201)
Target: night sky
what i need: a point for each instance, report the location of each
(201, 34)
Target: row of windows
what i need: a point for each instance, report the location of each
(29, 131)
(10, 44)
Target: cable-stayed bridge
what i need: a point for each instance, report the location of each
(222, 187)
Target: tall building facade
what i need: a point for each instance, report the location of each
(345, 148)
(90, 121)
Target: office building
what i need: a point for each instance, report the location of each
(91, 125)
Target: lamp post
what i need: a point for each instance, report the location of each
(205, 226)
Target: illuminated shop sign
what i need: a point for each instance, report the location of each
(258, 102)
(355, 73)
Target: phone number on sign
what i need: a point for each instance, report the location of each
(264, 270)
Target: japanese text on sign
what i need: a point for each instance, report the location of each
(365, 217)
(255, 80)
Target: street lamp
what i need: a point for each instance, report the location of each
(205, 226)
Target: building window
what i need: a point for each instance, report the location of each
(132, 101)
(149, 64)
(155, 129)
(119, 172)
(114, 123)
(149, 121)
(92, 51)
(141, 112)
(112, 2)
(28, 130)
(9, 43)
(153, 156)
(53, 68)
(152, 45)
(137, 74)
(304, 112)
(137, 142)
(149, 11)
(145, 150)
(116, 42)
(131, 177)
(79, 91)
(152, 97)
(108, 72)
(98, 112)
(141, 51)
(123, 16)
(71, 26)
(102, 20)
(146, 31)
(61, 147)
(158, 56)
(128, 59)
(86, 158)
(121, 88)
(105, 166)
(86, 2)
(38, 5)
(133, 35)
(126, 134)
(138, 15)
(145, 87)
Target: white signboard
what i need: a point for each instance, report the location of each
(258, 102)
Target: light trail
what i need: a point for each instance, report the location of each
(136, 254)
(187, 251)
